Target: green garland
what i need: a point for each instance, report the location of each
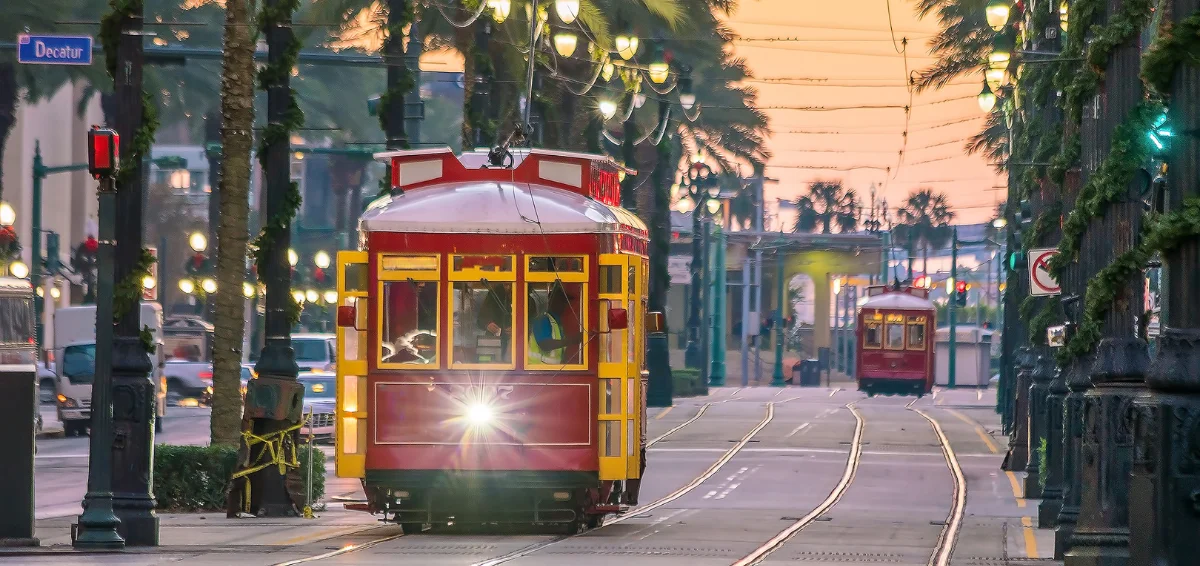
(127, 293)
(270, 76)
(1177, 42)
(1049, 216)
(1108, 184)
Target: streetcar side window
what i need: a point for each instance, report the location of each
(483, 322)
(895, 336)
(872, 335)
(916, 336)
(16, 321)
(555, 324)
(410, 323)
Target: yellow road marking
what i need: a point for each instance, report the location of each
(1031, 550)
(978, 430)
(1016, 487)
(664, 412)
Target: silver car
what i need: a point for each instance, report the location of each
(319, 399)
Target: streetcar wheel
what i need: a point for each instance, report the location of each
(412, 528)
(595, 521)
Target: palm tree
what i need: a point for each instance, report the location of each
(925, 222)
(827, 203)
(237, 106)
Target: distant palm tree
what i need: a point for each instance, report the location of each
(827, 203)
(925, 222)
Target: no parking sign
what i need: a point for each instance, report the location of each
(1041, 282)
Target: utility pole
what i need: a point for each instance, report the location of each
(659, 391)
(132, 464)
(780, 299)
(951, 370)
(398, 76)
(759, 216)
(274, 394)
(717, 375)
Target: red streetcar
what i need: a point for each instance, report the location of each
(895, 350)
(491, 342)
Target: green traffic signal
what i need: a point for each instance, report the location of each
(1160, 133)
(1016, 259)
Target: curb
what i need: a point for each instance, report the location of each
(52, 434)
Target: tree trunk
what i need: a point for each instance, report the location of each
(925, 259)
(237, 112)
(8, 110)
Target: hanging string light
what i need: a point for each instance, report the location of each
(627, 44)
(1062, 15)
(567, 10)
(500, 9)
(658, 68)
(608, 108)
(987, 98)
(565, 43)
(994, 77)
(997, 14)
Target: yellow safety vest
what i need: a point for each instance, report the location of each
(535, 354)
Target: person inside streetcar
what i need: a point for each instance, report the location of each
(550, 340)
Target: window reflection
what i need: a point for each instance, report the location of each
(555, 324)
(872, 337)
(895, 336)
(410, 322)
(916, 337)
(482, 322)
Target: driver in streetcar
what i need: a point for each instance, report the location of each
(550, 341)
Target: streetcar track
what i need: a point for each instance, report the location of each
(948, 538)
(852, 461)
(696, 482)
(680, 426)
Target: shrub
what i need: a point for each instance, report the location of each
(686, 382)
(195, 478)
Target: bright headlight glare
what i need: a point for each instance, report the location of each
(479, 414)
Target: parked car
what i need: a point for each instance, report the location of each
(315, 352)
(187, 379)
(320, 399)
(46, 382)
(247, 375)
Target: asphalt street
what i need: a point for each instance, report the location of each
(756, 475)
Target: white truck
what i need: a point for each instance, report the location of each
(75, 369)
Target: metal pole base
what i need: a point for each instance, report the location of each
(19, 542)
(1068, 514)
(660, 389)
(1039, 391)
(1052, 492)
(133, 441)
(274, 403)
(97, 527)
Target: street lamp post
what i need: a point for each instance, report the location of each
(717, 373)
(780, 298)
(697, 186)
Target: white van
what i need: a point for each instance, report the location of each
(75, 369)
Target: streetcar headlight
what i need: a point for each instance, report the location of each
(479, 414)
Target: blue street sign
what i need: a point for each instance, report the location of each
(54, 49)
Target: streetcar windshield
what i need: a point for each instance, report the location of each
(483, 322)
(916, 337)
(410, 322)
(16, 321)
(895, 336)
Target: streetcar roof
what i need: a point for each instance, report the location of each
(491, 207)
(897, 300)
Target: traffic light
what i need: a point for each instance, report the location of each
(1160, 135)
(960, 293)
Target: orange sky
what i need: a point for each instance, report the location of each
(847, 42)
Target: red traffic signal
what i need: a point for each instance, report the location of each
(961, 287)
(103, 152)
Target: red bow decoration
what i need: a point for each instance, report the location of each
(91, 244)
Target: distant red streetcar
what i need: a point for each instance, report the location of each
(895, 353)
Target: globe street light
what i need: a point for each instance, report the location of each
(18, 269)
(997, 14)
(148, 282)
(247, 290)
(331, 297)
(209, 285)
(322, 259)
(565, 43)
(198, 242)
(627, 45)
(187, 286)
(987, 99)
(608, 108)
(293, 257)
(7, 215)
(500, 9)
(311, 295)
(298, 296)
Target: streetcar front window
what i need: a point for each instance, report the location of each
(555, 324)
(410, 311)
(895, 336)
(872, 335)
(916, 336)
(483, 322)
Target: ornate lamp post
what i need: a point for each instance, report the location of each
(699, 184)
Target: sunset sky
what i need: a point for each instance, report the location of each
(847, 47)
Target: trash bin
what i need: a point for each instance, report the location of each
(810, 373)
(797, 376)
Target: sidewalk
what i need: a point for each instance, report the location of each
(195, 535)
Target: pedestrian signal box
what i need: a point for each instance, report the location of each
(103, 152)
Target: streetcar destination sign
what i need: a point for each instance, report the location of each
(54, 49)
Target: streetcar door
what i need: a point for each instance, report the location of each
(351, 363)
(635, 361)
(613, 371)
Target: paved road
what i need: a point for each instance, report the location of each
(764, 475)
